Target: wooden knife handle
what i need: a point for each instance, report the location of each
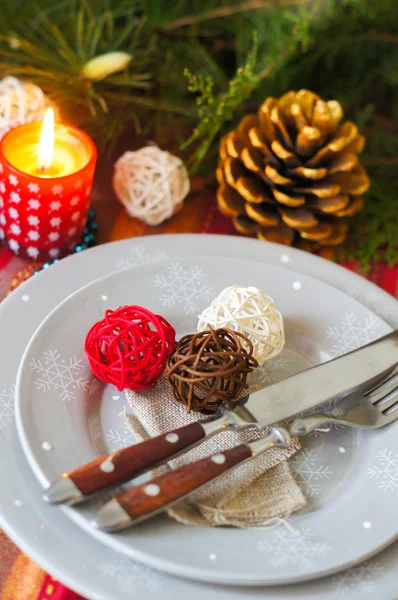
(149, 498)
(132, 461)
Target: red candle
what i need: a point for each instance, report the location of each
(46, 175)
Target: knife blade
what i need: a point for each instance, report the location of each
(359, 370)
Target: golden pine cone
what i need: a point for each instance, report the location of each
(290, 173)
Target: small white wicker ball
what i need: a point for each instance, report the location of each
(249, 311)
(151, 183)
(20, 102)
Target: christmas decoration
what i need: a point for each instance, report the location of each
(20, 102)
(129, 347)
(249, 311)
(151, 184)
(209, 368)
(291, 171)
(45, 207)
(102, 66)
(339, 49)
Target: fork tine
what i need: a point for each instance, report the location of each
(389, 403)
(376, 395)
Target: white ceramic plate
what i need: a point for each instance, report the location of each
(60, 406)
(48, 536)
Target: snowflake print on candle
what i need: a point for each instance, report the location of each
(2, 187)
(2, 219)
(13, 179)
(75, 216)
(55, 205)
(54, 252)
(15, 228)
(53, 236)
(33, 187)
(57, 189)
(33, 235)
(33, 220)
(75, 200)
(32, 252)
(15, 197)
(1, 202)
(32, 203)
(78, 184)
(13, 245)
(14, 214)
(55, 221)
(72, 231)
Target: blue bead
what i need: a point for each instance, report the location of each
(36, 272)
(91, 213)
(94, 226)
(55, 260)
(79, 248)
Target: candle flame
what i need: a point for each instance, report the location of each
(46, 143)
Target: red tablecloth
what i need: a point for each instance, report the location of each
(21, 578)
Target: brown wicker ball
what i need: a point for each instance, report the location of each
(209, 368)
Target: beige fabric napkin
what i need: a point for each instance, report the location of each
(249, 495)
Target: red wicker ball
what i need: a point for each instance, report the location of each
(129, 347)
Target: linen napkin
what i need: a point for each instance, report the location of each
(249, 495)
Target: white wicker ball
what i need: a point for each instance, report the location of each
(20, 102)
(151, 183)
(249, 311)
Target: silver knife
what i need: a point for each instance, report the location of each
(358, 371)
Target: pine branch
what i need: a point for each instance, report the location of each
(227, 11)
(214, 110)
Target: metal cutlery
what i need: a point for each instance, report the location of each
(357, 371)
(373, 410)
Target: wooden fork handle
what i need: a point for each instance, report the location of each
(147, 499)
(127, 463)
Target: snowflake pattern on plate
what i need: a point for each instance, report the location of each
(372, 300)
(183, 286)
(130, 576)
(386, 472)
(361, 580)
(352, 333)
(286, 548)
(139, 256)
(61, 375)
(308, 473)
(7, 405)
(120, 440)
(269, 371)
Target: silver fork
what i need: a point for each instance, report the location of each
(373, 410)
